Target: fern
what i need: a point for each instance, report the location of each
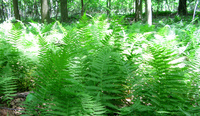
(9, 55)
(171, 78)
(163, 88)
(105, 75)
(87, 68)
(104, 70)
(57, 91)
(7, 84)
(95, 69)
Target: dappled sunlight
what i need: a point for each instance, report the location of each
(5, 27)
(99, 58)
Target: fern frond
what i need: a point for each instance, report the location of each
(105, 79)
(164, 87)
(57, 91)
(7, 84)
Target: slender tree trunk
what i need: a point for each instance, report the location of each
(49, 7)
(146, 10)
(2, 12)
(57, 10)
(134, 6)
(36, 10)
(195, 8)
(149, 12)
(182, 9)
(16, 10)
(45, 11)
(108, 7)
(64, 10)
(82, 8)
(8, 9)
(138, 10)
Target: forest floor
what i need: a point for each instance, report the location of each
(15, 105)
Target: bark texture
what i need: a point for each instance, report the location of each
(64, 10)
(138, 10)
(149, 12)
(182, 9)
(16, 9)
(45, 11)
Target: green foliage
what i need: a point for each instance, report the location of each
(100, 67)
(177, 18)
(14, 57)
(168, 80)
(163, 78)
(81, 70)
(106, 72)
(140, 28)
(55, 85)
(164, 13)
(9, 56)
(55, 77)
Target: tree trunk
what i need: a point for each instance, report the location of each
(45, 11)
(146, 10)
(82, 9)
(182, 9)
(64, 10)
(36, 10)
(57, 10)
(108, 7)
(16, 10)
(195, 8)
(149, 12)
(3, 17)
(138, 10)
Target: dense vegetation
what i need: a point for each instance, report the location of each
(103, 64)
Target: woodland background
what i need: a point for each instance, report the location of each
(100, 57)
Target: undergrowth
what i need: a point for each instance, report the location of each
(100, 67)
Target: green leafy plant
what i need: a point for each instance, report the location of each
(162, 85)
(98, 67)
(79, 70)
(9, 56)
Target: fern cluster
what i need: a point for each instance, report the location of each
(14, 65)
(96, 70)
(9, 56)
(98, 67)
(165, 84)
(85, 72)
